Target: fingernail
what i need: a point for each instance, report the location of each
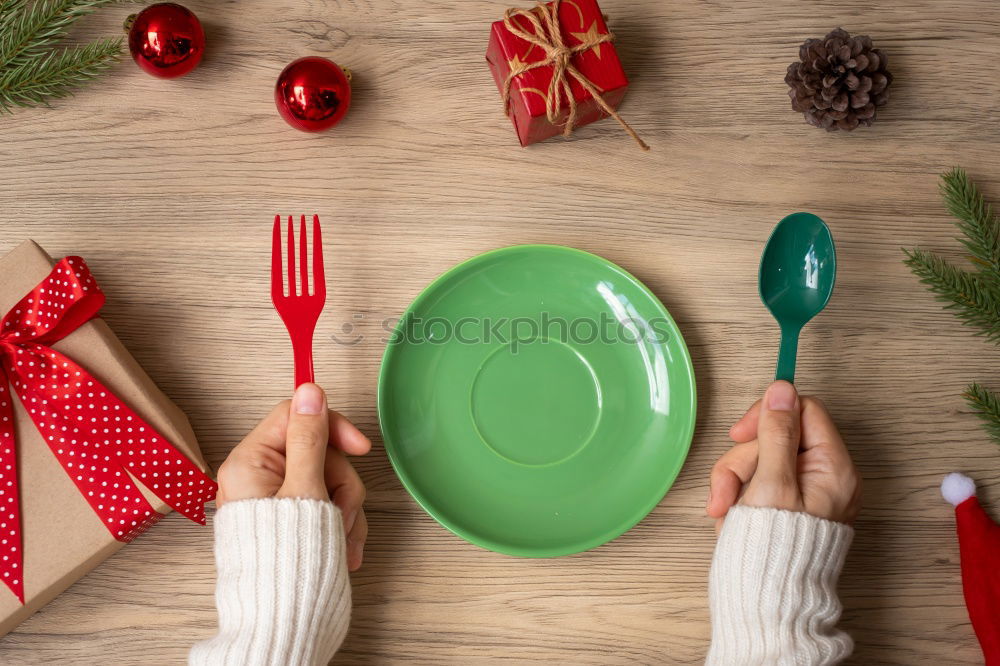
(308, 399)
(781, 396)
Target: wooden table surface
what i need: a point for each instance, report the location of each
(168, 189)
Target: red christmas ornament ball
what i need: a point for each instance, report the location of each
(313, 94)
(166, 40)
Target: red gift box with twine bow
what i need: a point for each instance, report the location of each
(557, 69)
(82, 427)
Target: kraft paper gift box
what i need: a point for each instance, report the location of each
(62, 535)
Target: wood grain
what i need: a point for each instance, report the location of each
(168, 188)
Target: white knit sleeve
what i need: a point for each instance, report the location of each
(283, 593)
(773, 589)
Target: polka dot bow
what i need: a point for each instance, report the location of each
(97, 439)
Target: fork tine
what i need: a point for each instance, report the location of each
(319, 276)
(303, 256)
(291, 257)
(277, 281)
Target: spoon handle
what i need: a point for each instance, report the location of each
(786, 354)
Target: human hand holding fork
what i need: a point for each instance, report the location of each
(300, 449)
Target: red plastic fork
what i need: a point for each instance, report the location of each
(299, 309)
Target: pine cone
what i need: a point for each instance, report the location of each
(839, 82)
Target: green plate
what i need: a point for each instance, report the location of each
(537, 400)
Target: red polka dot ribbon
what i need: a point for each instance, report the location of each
(99, 441)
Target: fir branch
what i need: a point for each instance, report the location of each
(976, 220)
(974, 296)
(56, 74)
(975, 301)
(32, 68)
(987, 406)
(28, 30)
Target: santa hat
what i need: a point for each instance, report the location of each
(979, 544)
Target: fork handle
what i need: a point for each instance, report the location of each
(302, 350)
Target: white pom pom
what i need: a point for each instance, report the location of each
(956, 488)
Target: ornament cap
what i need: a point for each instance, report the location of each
(129, 22)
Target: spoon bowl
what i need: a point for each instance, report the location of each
(798, 269)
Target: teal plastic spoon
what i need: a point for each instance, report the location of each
(797, 272)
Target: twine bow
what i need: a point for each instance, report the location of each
(548, 37)
(98, 439)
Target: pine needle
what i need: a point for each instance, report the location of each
(976, 220)
(971, 298)
(33, 68)
(987, 406)
(57, 73)
(973, 295)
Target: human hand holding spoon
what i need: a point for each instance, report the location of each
(797, 271)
